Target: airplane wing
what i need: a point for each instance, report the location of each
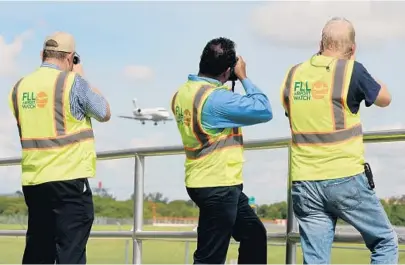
(128, 117)
(139, 118)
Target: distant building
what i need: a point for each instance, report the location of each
(282, 222)
(12, 195)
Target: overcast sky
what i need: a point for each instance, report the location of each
(146, 50)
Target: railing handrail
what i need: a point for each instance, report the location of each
(274, 143)
(291, 236)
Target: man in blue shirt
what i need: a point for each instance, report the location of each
(224, 209)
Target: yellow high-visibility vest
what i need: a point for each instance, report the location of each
(55, 145)
(327, 138)
(213, 159)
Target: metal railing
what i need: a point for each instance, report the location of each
(137, 235)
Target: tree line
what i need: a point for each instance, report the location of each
(156, 204)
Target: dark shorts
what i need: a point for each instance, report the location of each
(60, 217)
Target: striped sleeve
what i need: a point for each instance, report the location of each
(85, 102)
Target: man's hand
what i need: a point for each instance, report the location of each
(240, 69)
(77, 68)
(95, 90)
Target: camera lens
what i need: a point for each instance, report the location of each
(76, 59)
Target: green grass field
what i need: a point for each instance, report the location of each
(103, 251)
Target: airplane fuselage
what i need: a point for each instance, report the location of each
(152, 114)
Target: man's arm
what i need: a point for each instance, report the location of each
(88, 102)
(374, 91)
(364, 87)
(384, 97)
(282, 88)
(226, 109)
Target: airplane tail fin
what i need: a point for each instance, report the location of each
(134, 102)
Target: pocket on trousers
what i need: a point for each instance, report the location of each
(87, 197)
(344, 194)
(300, 200)
(366, 185)
(79, 185)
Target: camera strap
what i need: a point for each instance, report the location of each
(233, 86)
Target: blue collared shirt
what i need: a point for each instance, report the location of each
(226, 109)
(83, 101)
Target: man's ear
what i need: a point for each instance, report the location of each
(353, 52)
(226, 74)
(70, 57)
(42, 55)
(320, 48)
(354, 48)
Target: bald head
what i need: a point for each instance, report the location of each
(338, 36)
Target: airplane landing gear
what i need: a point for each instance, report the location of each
(143, 123)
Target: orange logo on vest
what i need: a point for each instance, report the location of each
(41, 99)
(187, 117)
(319, 90)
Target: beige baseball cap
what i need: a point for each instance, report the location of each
(61, 42)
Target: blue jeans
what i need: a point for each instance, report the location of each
(318, 204)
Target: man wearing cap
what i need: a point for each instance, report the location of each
(53, 107)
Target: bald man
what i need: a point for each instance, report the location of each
(330, 178)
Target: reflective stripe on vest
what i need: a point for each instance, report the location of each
(59, 119)
(341, 133)
(173, 102)
(207, 147)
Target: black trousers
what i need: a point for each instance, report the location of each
(225, 213)
(60, 217)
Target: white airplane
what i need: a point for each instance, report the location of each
(154, 114)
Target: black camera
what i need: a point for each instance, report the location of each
(232, 76)
(76, 59)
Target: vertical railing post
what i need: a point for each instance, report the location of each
(291, 247)
(138, 208)
(126, 251)
(187, 252)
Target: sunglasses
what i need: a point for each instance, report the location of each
(76, 58)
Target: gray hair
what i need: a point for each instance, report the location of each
(338, 35)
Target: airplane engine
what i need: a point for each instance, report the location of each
(138, 110)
